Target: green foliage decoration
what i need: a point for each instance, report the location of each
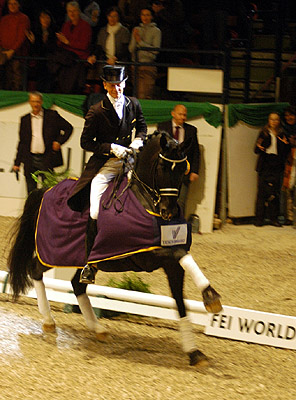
(50, 178)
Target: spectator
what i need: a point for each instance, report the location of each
(112, 41)
(272, 147)
(41, 134)
(91, 12)
(74, 45)
(145, 35)
(182, 131)
(43, 44)
(13, 29)
(130, 11)
(289, 180)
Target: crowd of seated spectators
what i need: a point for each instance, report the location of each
(69, 42)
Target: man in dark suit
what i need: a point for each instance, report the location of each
(41, 134)
(107, 133)
(182, 131)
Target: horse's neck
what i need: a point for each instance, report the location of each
(143, 196)
(144, 172)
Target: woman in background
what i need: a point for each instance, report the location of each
(112, 42)
(145, 35)
(272, 147)
(43, 44)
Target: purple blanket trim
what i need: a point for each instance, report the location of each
(60, 232)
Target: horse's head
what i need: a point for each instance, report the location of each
(161, 168)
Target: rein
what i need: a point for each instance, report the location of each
(154, 194)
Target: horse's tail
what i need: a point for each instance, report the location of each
(20, 258)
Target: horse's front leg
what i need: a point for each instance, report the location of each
(175, 276)
(43, 304)
(211, 298)
(87, 311)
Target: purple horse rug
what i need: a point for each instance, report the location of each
(125, 227)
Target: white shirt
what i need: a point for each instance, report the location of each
(117, 104)
(37, 142)
(272, 149)
(181, 132)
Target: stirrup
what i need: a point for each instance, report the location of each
(88, 274)
(211, 300)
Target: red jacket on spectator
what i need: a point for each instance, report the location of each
(12, 31)
(79, 37)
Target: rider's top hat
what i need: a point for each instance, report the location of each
(114, 74)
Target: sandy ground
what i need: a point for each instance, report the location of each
(251, 267)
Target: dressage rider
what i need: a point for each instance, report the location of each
(107, 132)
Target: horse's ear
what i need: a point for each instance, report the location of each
(185, 146)
(163, 140)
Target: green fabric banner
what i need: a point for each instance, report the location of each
(155, 111)
(253, 114)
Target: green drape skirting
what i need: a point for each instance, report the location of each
(154, 110)
(253, 114)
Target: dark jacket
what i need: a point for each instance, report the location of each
(266, 160)
(103, 127)
(190, 133)
(55, 129)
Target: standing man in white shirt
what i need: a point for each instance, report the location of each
(41, 134)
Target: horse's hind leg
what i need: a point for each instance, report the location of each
(43, 304)
(44, 307)
(86, 308)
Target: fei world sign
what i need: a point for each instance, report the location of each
(253, 326)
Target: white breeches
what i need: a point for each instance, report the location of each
(100, 182)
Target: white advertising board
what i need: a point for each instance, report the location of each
(254, 327)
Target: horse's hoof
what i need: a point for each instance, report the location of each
(103, 336)
(198, 359)
(88, 275)
(211, 300)
(49, 328)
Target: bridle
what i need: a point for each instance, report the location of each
(155, 193)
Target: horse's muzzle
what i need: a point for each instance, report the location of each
(168, 203)
(166, 215)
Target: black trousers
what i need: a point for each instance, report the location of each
(37, 165)
(268, 196)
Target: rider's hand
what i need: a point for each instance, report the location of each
(119, 151)
(136, 143)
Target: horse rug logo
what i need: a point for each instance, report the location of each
(172, 235)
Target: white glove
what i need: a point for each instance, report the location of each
(136, 143)
(119, 151)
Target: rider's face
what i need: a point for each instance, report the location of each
(115, 89)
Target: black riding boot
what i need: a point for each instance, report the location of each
(89, 272)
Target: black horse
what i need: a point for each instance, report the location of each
(155, 182)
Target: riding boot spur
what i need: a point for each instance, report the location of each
(89, 271)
